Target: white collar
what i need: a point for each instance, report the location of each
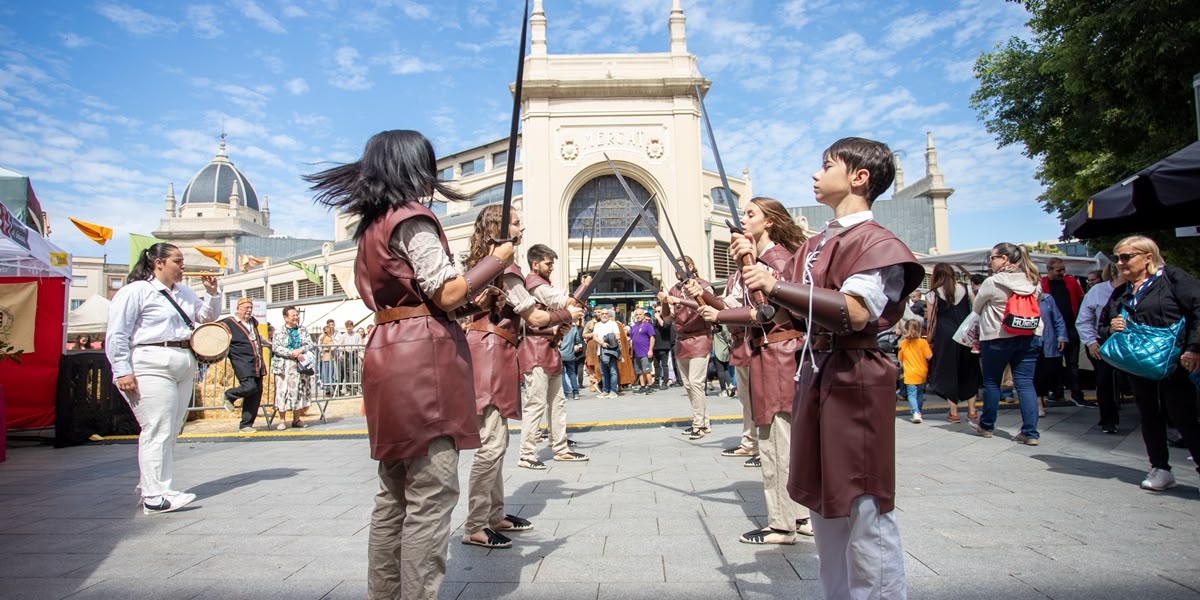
(837, 226)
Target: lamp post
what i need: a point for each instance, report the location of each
(1196, 90)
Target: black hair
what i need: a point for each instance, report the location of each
(289, 308)
(143, 269)
(861, 153)
(396, 167)
(977, 278)
(539, 252)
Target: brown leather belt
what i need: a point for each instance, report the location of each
(775, 337)
(828, 342)
(500, 331)
(400, 313)
(173, 344)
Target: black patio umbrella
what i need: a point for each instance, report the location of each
(1164, 195)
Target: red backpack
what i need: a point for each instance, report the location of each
(1022, 315)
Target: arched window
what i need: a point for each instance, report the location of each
(495, 194)
(603, 201)
(718, 196)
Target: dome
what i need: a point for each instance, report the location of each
(217, 181)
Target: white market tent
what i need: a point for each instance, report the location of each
(90, 317)
(974, 261)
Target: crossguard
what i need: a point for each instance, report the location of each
(764, 311)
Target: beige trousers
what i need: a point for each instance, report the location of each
(694, 372)
(774, 450)
(410, 526)
(485, 492)
(749, 431)
(543, 396)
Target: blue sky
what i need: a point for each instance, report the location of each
(105, 103)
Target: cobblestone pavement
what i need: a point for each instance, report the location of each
(652, 515)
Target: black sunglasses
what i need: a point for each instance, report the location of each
(1128, 256)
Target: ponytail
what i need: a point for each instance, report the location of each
(1018, 256)
(143, 269)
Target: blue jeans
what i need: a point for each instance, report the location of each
(1021, 354)
(570, 379)
(916, 396)
(608, 376)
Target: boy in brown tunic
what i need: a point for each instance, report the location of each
(847, 284)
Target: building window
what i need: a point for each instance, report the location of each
(256, 293)
(337, 286)
(718, 197)
(282, 292)
(115, 283)
(495, 194)
(79, 281)
(603, 201)
(472, 166)
(723, 265)
(308, 289)
(446, 174)
(499, 159)
(199, 214)
(76, 304)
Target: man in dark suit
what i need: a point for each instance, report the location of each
(245, 354)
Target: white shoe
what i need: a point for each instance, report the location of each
(916, 418)
(1158, 480)
(171, 501)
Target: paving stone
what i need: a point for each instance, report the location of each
(668, 591)
(529, 591)
(601, 569)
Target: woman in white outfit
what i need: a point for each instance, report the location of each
(148, 343)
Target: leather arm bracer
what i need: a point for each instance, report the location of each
(481, 275)
(737, 316)
(829, 309)
(712, 300)
(559, 316)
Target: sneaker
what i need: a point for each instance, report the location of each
(753, 462)
(229, 404)
(167, 503)
(1158, 480)
(804, 527)
(247, 429)
(980, 430)
(1078, 400)
(1109, 429)
(916, 417)
(1024, 439)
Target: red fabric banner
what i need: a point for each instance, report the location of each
(30, 387)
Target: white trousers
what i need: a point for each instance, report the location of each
(165, 377)
(861, 556)
(749, 431)
(694, 372)
(543, 397)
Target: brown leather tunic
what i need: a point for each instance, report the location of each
(739, 350)
(772, 366)
(693, 335)
(497, 380)
(539, 348)
(416, 372)
(844, 418)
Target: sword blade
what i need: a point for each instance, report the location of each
(638, 278)
(712, 143)
(662, 244)
(510, 170)
(612, 256)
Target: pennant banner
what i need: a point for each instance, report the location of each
(18, 315)
(309, 271)
(212, 253)
(138, 243)
(96, 233)
(248, 262)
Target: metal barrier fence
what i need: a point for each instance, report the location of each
(338, 375)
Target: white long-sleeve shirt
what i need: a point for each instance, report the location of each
(1089, 312)
(876, 287)
(140, 314)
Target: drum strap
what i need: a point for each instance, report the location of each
(176, 305)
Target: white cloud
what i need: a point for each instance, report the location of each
(415, 10)
(251, 10)
(284, 142)
(272, 61)
(204, 20)
(135, 20)
(914, 28)
(250, 99)
(297, 86)
(960, 70)
(348, 73)
(409, 65)
(292, 11)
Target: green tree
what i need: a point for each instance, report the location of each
(1100, 90)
